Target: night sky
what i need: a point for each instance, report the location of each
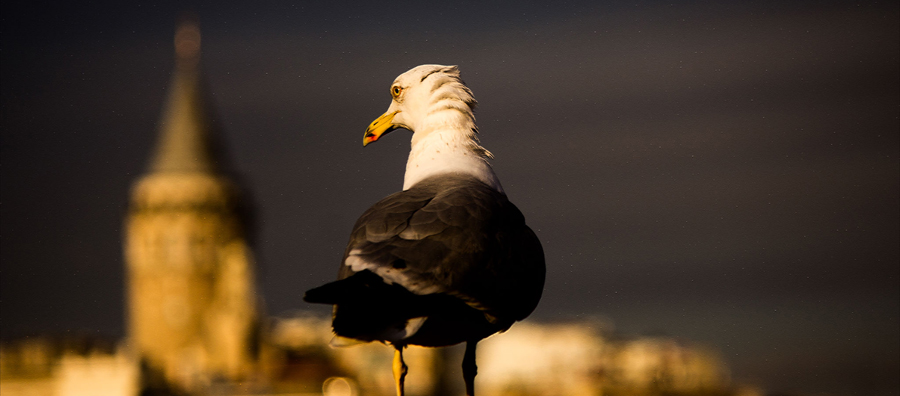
(722, 173)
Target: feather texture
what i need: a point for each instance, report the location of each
(451, 237)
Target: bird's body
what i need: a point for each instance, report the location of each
(447, 260)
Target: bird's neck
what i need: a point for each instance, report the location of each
(445, 149)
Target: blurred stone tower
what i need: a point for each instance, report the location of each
(190, 274)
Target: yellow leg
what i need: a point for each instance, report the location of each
(400, 369)
(469, 368)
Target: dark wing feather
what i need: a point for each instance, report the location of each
(452, 235)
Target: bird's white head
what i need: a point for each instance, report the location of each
(426, 98)
(433, 103)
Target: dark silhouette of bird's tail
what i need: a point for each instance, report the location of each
(367, 307)
(329, 293)
(363, 285)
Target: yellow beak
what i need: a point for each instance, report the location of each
(379, 127)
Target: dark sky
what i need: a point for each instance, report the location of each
(724, 173)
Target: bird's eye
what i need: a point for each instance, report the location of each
(395, 91)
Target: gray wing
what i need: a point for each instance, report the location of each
(452, 235)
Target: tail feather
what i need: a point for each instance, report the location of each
(329, 293)
(360, 286)
(368, 309)
(367, 306)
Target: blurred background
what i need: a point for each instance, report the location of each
(723, 173)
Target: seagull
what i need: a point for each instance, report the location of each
(447, 260)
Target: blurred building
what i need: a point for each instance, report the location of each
(45, 366)
(531, 359)
(192, 316)
(194, 327)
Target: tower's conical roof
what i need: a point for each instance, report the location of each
(185, 142)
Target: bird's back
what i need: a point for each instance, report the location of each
(451, 250)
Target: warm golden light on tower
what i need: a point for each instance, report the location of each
(190, 272)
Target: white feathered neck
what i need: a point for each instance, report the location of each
(439, 109)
